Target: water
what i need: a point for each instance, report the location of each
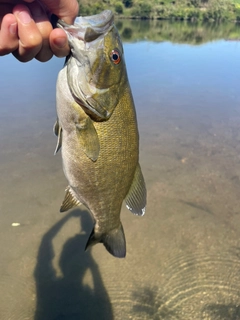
(183, 256)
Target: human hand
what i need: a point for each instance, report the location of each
(25, 29)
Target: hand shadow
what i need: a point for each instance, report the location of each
(67, 298)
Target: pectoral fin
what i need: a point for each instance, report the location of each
(70, 201)
(136, 197)
(58, 132)
(88, 138)
(86, 132)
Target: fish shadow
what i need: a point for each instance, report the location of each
(66, 297)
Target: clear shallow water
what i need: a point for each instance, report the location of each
(183, 256)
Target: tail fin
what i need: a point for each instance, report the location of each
(114, 241)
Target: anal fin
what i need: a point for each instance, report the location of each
(137, 194)
(70, 201)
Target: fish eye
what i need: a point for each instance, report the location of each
(115, 56)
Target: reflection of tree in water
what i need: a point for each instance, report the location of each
(67, 298)
(119, 24)
(177, 31)
(127, 33)
(148, 302)
(221, 312)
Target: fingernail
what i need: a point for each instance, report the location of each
(60, 42)
(13, 28)
(24, 17)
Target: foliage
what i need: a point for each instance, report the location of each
(142, 10)
(128, 3)
(166, 9)
(119, 7)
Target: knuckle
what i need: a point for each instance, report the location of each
(45, 53)
(22, 58)
(33, 41)
(44, 57)
(45, 29)
(4, 50)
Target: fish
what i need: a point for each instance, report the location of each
(97, 130)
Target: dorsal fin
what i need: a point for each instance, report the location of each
(136, 197)
(70, 201)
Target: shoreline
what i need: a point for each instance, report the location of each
(122, 17)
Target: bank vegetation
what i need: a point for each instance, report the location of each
(216, 10)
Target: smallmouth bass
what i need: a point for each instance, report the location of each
(97, 130)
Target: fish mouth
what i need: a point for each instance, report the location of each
(89, 28)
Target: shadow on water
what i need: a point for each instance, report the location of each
(67, 297)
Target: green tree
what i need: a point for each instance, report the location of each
(142, 10)
(119, 7)
(127, 3)
(145, 9)
(195, 3)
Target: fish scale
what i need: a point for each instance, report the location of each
(108, 180)
(97, 131)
